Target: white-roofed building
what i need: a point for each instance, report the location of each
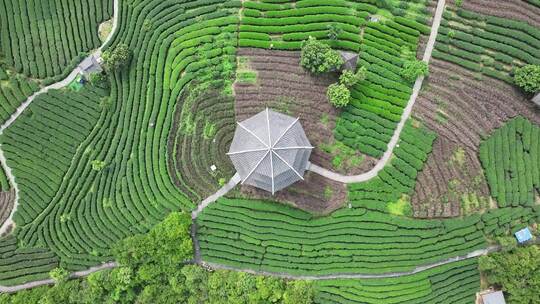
(270, 150)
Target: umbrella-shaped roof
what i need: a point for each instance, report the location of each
(270, 150)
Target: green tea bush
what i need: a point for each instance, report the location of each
(509, 157)
(44, 40)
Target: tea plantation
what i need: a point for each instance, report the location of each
(95, 167)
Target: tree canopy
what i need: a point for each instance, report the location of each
(413, 69)
(528, 78)
(338, 95)
(116, 58)
(517, 272)
(318, 57)
(153, 269)
(348, 78)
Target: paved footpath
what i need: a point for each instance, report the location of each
(404, 117)
(418, 269)
(57, 85)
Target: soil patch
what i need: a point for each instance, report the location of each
(511, 9)
(7, 199)
(281, 84)
(199, 139)
(315, 194)
(463, 109)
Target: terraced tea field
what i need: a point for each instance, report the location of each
(407, 186)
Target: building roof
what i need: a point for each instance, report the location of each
(90, 65)
(495, 297)
(270, 150)
(523, 235)
(350, 60)
(536, 99)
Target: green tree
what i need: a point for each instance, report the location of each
(413, 69)
(116, 58)
(299, 292)
(318, 57)
(168, 243)
(59, 275)
(338, 95)
(99, 80)
(517, 272)
(528, 78)
(508, 243)
(348, 78)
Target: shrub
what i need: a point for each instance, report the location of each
(349, 78)
(338, 95)
(99, 80)
(59, 275)
(414, 69)
(318, 57)
(528, 78)
(97, 165)
(516, 271)
(116, 58)
(334, 31)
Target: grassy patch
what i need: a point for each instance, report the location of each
(105, 29)
(401, 207)
(343, 156)
(244, 72)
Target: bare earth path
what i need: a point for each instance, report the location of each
(236, 179)
(57, 85)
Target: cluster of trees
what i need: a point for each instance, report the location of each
(318, 57)
(339, 93)
(154, 268)
(517, 272)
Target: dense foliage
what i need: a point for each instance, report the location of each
(318, 57)
(349, 78)
(517, 272)
(528, 78)
(338, 95)
(414, 69)
(153, 270)
(116, 58)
